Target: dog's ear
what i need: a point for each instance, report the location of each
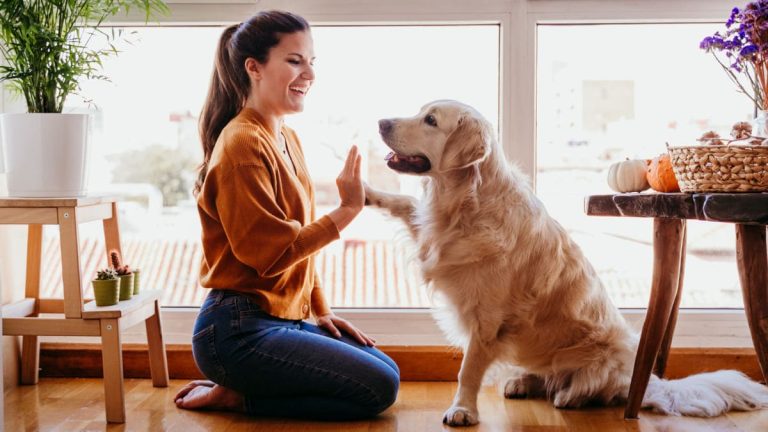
(468, 144)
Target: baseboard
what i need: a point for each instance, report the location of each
(417, 363)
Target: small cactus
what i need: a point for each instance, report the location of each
(106, 274)
(118, 265)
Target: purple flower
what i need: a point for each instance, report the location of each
(742, 49)
(748, 51)
(732, 19)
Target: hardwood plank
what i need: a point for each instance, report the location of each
(749, 208)
(137, 316)
(50, 327)
(122, 308)
(21, 308)
(94, 212)
(23, 216)
(54, 202)
(676, 205)
(78, 404)
(745, 207)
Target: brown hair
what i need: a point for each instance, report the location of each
(230, 84)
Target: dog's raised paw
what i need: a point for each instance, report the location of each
(458, 416)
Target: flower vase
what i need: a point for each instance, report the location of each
(760, 124)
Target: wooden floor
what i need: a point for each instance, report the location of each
(77, 404)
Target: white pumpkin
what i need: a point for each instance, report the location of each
(628, 176)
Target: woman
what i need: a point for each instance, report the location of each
(259, 235)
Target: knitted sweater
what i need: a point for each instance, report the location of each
(259, 232)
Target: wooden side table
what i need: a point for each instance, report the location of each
(748, 211)
(22, 318)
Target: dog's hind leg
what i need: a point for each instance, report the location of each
(525, 386)
(463, 411)
(400, 206)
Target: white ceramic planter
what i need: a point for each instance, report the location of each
(45, 154)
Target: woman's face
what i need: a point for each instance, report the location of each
(283, 82)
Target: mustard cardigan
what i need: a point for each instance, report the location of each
(259, 232)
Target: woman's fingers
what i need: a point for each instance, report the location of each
(349, 164)
(358, 162)
(355, 333)
(332, 329)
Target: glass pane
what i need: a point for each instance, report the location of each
(610, 92)
(145, 146)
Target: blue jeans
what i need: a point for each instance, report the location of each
(288, 368)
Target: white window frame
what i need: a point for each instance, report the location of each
(517, 20)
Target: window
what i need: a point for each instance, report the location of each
(610, 92)
(516, 24)
(146, 147)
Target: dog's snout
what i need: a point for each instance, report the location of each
(385, 126)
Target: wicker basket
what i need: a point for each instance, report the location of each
(720, 168)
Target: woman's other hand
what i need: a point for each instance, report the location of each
(335, 325)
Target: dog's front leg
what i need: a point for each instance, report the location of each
(463, 411)
(400, 206)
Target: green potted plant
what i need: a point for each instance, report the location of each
(124, 274)
(45, 45)
(136, 280)
(105, 287)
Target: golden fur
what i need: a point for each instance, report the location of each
(518, 291)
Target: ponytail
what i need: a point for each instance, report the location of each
(221, 105)
(230, 84)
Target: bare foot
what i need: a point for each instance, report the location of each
(207, 395)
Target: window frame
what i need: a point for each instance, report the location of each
(518, 21)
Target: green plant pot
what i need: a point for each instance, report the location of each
(136, 281)
(106, 291)
(126, 286)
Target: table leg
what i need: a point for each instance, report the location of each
(753, 272)
(30, 345)
(667, 250)
(71, 275)
(112, 360)
(158, 363)
(661, 359)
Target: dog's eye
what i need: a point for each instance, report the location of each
(430, 120)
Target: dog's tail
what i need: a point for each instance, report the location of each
(705, 395)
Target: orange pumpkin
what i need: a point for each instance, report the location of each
(660, 175)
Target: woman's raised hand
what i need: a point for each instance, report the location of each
(350, 183)
(350, 190)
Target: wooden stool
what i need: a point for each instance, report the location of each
(670, 211)
(22, 318)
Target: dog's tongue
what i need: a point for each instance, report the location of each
(402, 163)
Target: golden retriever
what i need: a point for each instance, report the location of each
(518, 291)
